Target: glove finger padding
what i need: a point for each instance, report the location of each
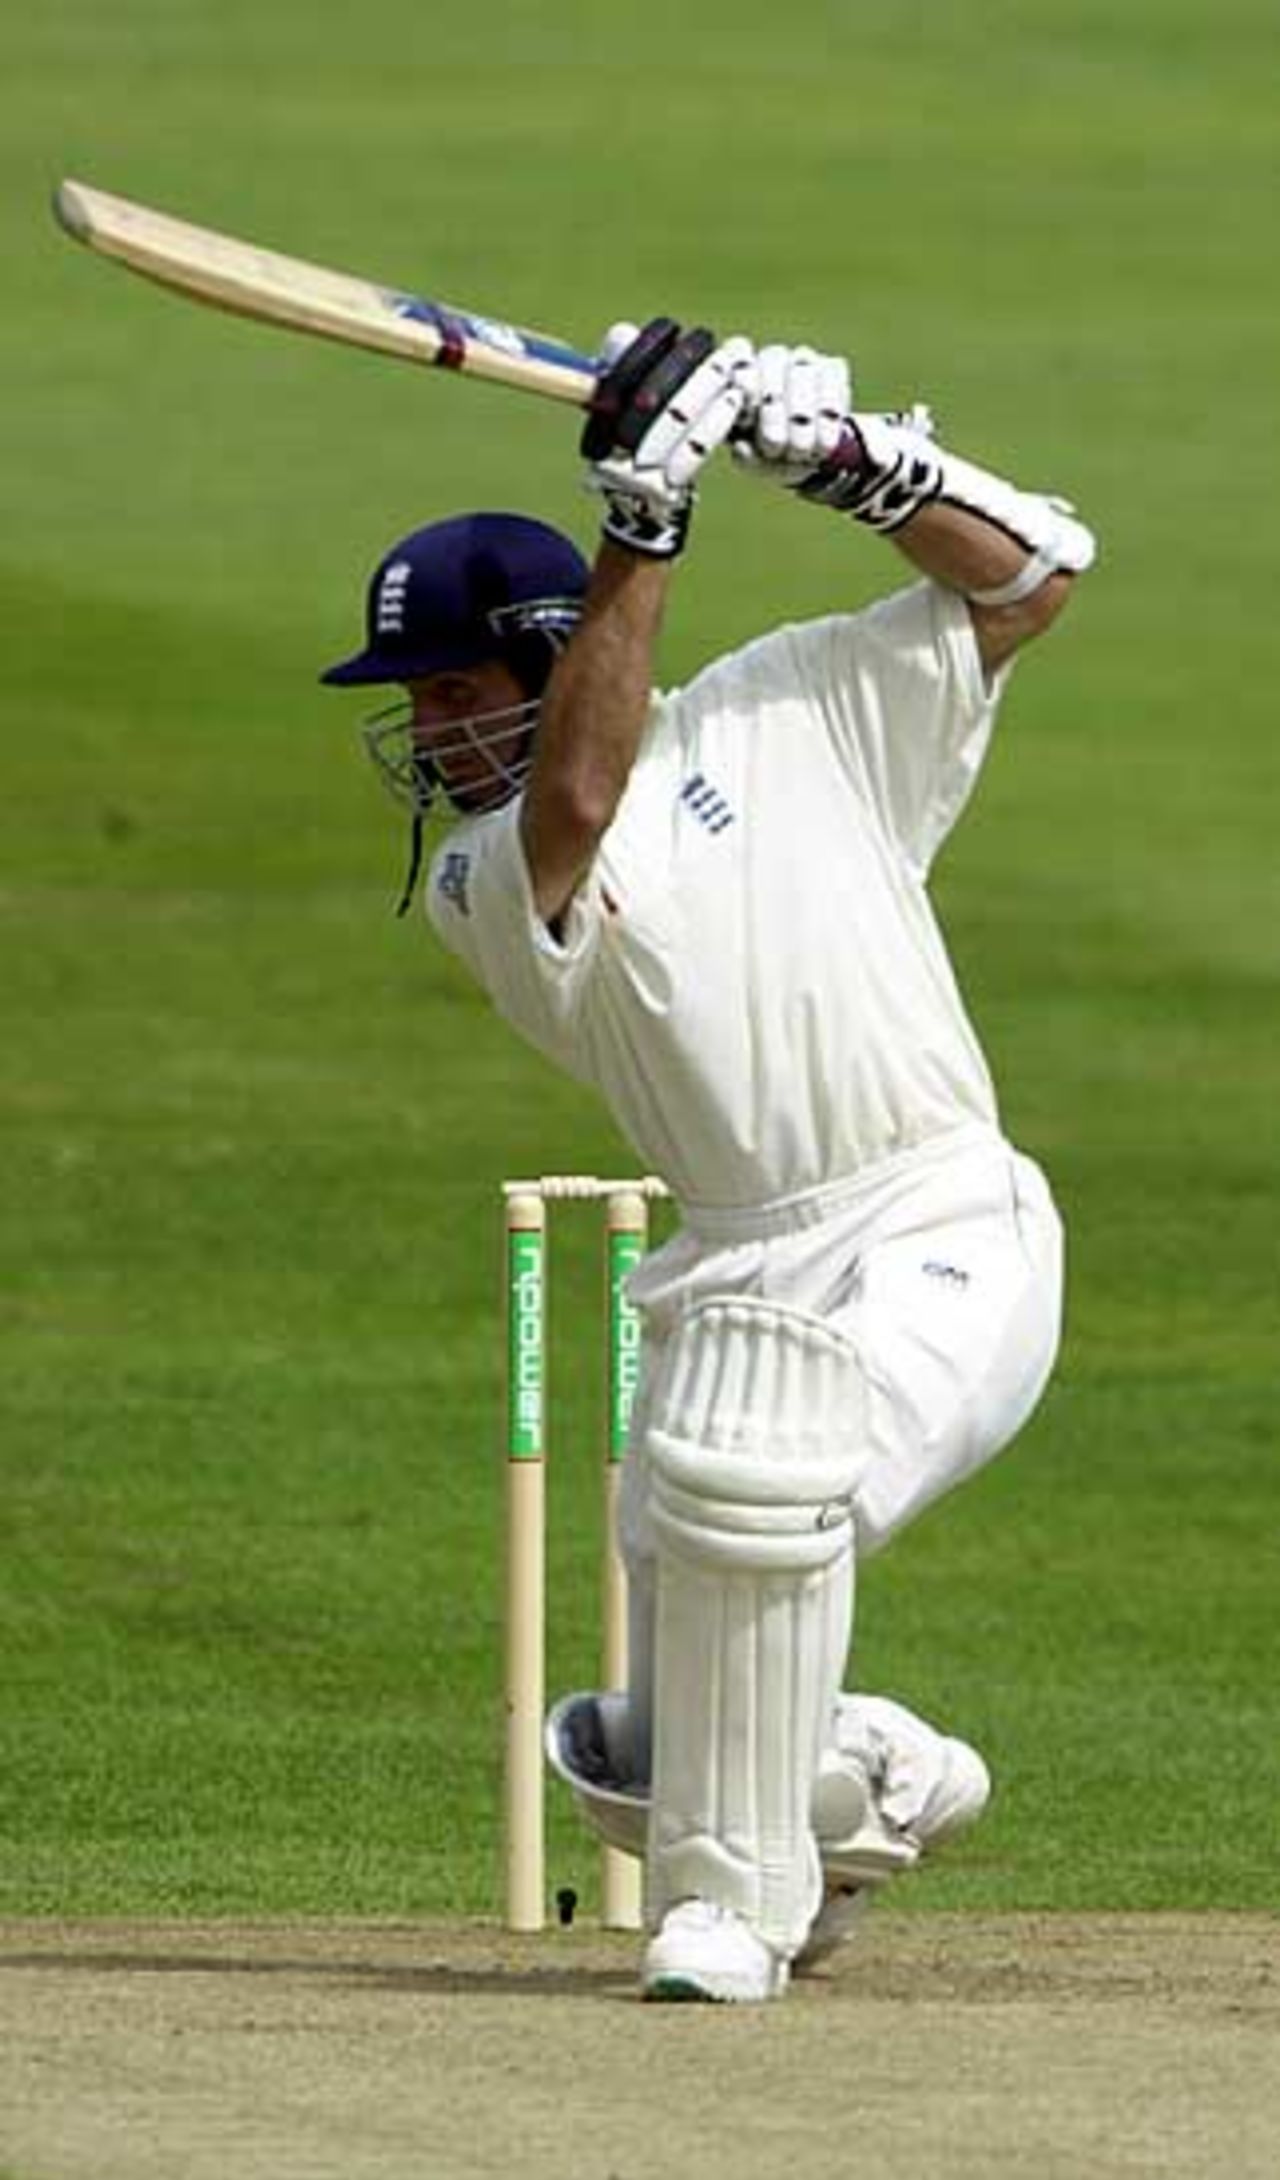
(667, 403)
(834, 403)
(699, 415)
(617, 387)
(657, 392)
(800, 418)
(801, 421)
(769, 430)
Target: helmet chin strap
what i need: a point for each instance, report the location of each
(416, 832)
(427, 783)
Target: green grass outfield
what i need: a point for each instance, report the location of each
(250, 1351)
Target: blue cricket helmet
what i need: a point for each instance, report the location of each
(470, 588)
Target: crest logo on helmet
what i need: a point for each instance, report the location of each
(392, 593)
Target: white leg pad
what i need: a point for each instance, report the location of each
(756, 1441)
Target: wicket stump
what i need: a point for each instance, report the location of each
(626, 1235)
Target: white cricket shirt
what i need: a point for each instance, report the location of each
(751, 974)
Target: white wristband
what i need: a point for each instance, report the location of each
(1029, 577)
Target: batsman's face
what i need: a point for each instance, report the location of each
(473, 725)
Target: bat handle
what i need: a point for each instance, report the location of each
(849, 453)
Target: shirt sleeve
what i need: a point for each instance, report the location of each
(909, 707)
(480, 900)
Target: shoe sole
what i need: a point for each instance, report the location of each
(681, 1991)
(678, 1987)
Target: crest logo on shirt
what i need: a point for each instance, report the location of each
(706, 802)
(451, 884)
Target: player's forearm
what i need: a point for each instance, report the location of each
(960, 549)
(662, 405)
(590, 725)
(969, 554)
(1010, 553)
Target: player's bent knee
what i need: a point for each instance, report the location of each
(759, 1403)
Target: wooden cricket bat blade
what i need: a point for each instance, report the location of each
(238, 276)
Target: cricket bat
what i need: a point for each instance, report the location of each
(287, 291)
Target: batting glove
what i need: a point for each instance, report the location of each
(805, 435)
(799, 416)
(665, 401)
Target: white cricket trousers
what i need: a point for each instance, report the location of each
(943, 1266)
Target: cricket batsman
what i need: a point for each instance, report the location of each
(712, 903)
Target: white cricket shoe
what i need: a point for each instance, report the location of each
(704, 1952)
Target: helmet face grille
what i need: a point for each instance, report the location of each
(479, 765)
